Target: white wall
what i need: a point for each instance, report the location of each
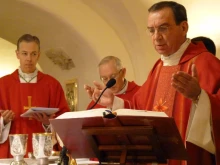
(8, 62)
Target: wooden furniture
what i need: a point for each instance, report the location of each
(123, 139)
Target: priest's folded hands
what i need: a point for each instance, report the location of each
(7, 115)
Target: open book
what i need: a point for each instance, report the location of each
(48, 111)
(143, 134)
(120, 112)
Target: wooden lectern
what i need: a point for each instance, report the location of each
(123, 139)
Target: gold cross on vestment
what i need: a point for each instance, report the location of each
(29, 105)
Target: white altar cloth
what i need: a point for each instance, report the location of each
(29, 161)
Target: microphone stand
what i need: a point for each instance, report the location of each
(98, 98)
(109, 84)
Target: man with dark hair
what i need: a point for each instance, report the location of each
(27, 87)
(184, 83)
(28, 38)
(209, 44)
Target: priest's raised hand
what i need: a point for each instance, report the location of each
(107, 97)
(187, 84)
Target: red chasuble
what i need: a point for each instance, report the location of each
(131, 90)
(19, 97)
(208, 68)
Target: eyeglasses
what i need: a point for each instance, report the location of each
(163, 29)
(105, 79)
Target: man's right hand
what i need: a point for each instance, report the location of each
(89, 90)
(8, 116)
(106, 99)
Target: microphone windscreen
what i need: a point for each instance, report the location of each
(110, 83)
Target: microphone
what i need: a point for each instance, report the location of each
(109, 84)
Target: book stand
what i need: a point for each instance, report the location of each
(126, 152)
(124, 139)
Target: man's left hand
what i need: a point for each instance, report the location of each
(42, 117)
(187, 84)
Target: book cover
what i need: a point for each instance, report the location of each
(48, 111)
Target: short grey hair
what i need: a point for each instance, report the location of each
(118, 63)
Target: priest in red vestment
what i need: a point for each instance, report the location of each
(27, 87)
(184, 84)
(111, 67)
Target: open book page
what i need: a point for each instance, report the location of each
(120, 112)
(48, 111)
(133, 112)
(82, 114)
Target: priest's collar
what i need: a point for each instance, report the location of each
(124, 88)
(27, 77)
(174, 59)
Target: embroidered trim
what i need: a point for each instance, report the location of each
(26, 80)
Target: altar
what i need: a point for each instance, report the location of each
(52, 161)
